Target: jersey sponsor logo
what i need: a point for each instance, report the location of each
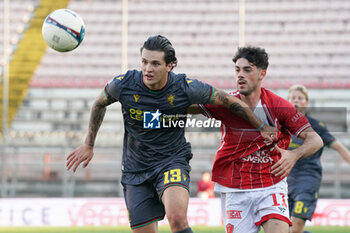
(229, 228)
(136, 114)
(171, 99)
(258, 157)
(233, 214)
(151, 120)
(136, 97)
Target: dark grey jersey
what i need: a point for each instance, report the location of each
(149, 140)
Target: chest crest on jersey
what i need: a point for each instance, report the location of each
(136, 97)
(171, 99)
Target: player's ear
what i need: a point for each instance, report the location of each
(262, 74)
(170, 66)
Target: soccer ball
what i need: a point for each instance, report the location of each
(63, 30)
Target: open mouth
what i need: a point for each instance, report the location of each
(148, 77)
(241, 82)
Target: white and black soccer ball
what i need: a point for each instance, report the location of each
(63, 30)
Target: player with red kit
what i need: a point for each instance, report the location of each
(250, 173)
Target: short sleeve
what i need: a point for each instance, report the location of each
(113, 88)
(322, 130)
(292, 119)
(198, 92)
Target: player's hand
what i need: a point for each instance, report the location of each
(283, 167)
(269, 133)
(84, 153)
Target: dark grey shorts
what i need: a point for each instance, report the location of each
(143, 201)
(303, 204)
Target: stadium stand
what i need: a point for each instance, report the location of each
(307, 42)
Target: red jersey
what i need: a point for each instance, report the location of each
(243, 159)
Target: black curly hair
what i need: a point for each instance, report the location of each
(257, 56)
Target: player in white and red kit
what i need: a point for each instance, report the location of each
(249, 172)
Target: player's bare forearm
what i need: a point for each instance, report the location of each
(312, 143)
(342, 150)
(98, 112)
(236, 106)
(84, 153)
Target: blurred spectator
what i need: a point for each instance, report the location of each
(205, 187)
(305, 179)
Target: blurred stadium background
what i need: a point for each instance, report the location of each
(46, 96)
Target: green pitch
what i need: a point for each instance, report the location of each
(326, 229)
(127, 230)
(98, 230)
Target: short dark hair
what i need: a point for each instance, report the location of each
(161, 43)
(256, 56)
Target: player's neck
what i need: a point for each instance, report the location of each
(157, 86)
(252, 99)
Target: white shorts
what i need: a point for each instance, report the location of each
(244, 212)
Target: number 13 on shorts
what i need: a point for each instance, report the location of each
(279, 199)
(173, 175)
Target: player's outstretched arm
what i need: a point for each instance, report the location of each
(312, 143)
(342, 150)
(85, 152)
(242, 110)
